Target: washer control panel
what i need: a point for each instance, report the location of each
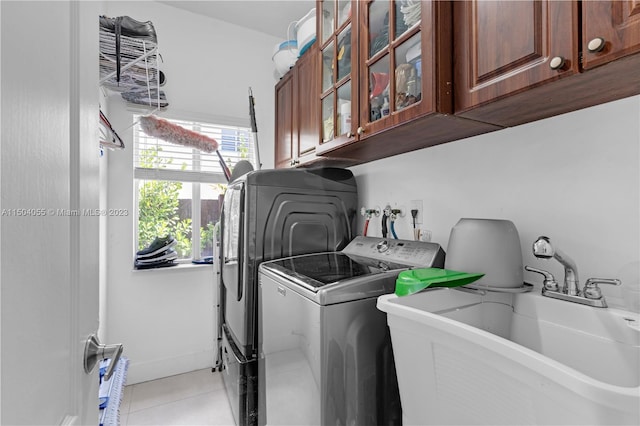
(404, 252)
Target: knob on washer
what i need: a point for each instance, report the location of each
(382, 246)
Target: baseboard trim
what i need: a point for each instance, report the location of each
(157, 369)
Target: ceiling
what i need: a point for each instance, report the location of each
(267, 16)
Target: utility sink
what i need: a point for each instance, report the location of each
(601, 343)
(475, 357)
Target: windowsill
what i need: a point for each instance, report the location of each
(180, 267)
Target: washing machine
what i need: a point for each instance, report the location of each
(324, 348)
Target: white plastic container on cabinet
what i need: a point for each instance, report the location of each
(285, 55)
(305, 30)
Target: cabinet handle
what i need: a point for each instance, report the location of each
(294, 162)
(350, 135)
(596, 45)
(557, 63)
(360, 130)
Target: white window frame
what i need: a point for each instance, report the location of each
(195, 176)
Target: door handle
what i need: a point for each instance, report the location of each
(95, 352)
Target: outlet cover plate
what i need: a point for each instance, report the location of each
(416, 205)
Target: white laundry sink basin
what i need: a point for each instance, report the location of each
(601, 343)
(504, 358)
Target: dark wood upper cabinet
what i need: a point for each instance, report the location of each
(505, 47)
(611, 29)
(297, 111)
(518, 61)
(384, 63)
(404, 63)
(283, 155)
(397, 79)
(338, 94)
(307, 107)
(391, 77)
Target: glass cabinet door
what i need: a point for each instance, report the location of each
(339, 56)
(392, 58)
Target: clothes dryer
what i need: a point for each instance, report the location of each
(271, 214)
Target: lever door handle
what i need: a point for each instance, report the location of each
(95, 352)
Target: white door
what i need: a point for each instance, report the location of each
(49, 246)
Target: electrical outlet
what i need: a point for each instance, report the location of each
(416, 205)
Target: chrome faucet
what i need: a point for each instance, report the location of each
(570, 290)
(543, 249)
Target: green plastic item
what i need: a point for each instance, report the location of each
(415, 280)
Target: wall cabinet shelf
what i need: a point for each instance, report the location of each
(138, 66)
(129, 61)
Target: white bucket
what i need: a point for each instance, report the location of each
(489, 246)
(305, 30)
(285, 55)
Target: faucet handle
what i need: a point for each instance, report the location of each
(591, 289)
(549, 282)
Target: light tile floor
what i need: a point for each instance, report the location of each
(195, 398)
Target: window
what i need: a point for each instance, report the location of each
(179, 189)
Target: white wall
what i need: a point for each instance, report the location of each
(574, 178)
(165, 318)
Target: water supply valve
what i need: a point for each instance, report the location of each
(392, 214)
(368, 214)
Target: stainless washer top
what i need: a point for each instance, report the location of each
(367, 267)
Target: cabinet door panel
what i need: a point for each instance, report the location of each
(494, 20)
(405, 63)
(617, 23)
(338, 69)
(504, 47)
(284, 122)
(308, 108)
